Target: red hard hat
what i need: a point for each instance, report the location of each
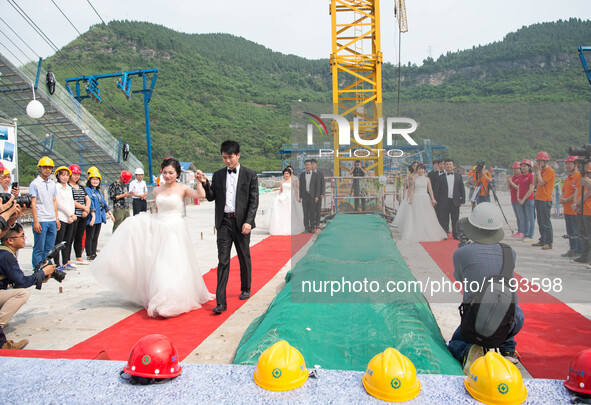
(527, 162)
(579, 373)
(543, 156)
(153, 356)
(516, 165)
(1, 167)
(75, 169)
(126, 176)
(571, 159)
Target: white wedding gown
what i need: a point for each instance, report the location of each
(419, 221)
(286, 215)
(150, 260)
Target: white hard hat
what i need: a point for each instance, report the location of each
(139, 170)
(486, 216)
(484, 225)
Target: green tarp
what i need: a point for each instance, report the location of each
(346, 329)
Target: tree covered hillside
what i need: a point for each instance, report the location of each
(213, 87)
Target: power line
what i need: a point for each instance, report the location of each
(22, 40)
(66, 17)
(42, 34)
(10, 52)
(15, 45)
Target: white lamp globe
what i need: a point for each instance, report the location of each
(35, 109)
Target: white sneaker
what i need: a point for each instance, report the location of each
(82, 262)
(527, 240)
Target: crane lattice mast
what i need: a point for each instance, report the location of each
(356, 68)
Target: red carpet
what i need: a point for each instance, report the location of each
(187, 331)
(553, 333)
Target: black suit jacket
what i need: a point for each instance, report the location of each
(459, 193)
(247, 196)
(434, 177)
(315, 185)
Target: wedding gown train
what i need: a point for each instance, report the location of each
(419, 221)
(286, 216)
(151, 261)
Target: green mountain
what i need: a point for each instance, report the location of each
(213, 87)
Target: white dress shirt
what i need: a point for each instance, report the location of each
(231, 184)
(308, 179)
(450, 184)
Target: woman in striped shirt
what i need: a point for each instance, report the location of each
(82, 209)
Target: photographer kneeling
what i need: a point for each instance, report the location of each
(490, 314)
(11, 299)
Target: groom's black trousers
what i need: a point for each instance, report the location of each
(229, 233)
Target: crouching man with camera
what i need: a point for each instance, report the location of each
(11, 275)
(490, 314)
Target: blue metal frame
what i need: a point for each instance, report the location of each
(124, 84)
(582, 50)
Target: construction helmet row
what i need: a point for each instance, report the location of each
(92, 171)
(390, 376)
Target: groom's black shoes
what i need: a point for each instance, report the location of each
(220, 308)
(244, 295)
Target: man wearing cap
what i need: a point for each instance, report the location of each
(570, 185)
(118, 194)
(473, 263)
(139, 192)
(544, 180)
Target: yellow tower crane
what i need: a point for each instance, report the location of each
(356, 68)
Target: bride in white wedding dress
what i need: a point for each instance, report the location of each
(420, 221)
(150, 258)
(286, 215)
(400, 212)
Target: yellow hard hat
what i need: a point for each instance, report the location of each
(94, 173)
(391, 376)
(495, 380)
(92, 169)
(45, 161)
(281, 368)
(6, 172)
(63, 168)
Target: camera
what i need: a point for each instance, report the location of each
(58, 275)
(479, 166)
(22, 200)
(583, 151)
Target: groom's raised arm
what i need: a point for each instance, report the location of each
(209, 190)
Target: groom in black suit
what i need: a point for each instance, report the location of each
(450, 196)
(235, 190)
(310, 195)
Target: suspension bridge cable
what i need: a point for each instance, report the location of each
(66, 17)
(18, 36)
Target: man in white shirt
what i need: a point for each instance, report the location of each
(139, 192)
(44, 209)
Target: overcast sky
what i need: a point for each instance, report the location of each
(300, 27)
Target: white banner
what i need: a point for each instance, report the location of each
(8, 152)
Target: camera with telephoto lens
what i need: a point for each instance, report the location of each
(22, 200)
(480, 166)
(583, 153)
(57, 274)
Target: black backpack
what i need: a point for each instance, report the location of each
(487, 319)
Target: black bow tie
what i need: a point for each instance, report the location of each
(449, 174)
(232, 170)
(308, 172)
